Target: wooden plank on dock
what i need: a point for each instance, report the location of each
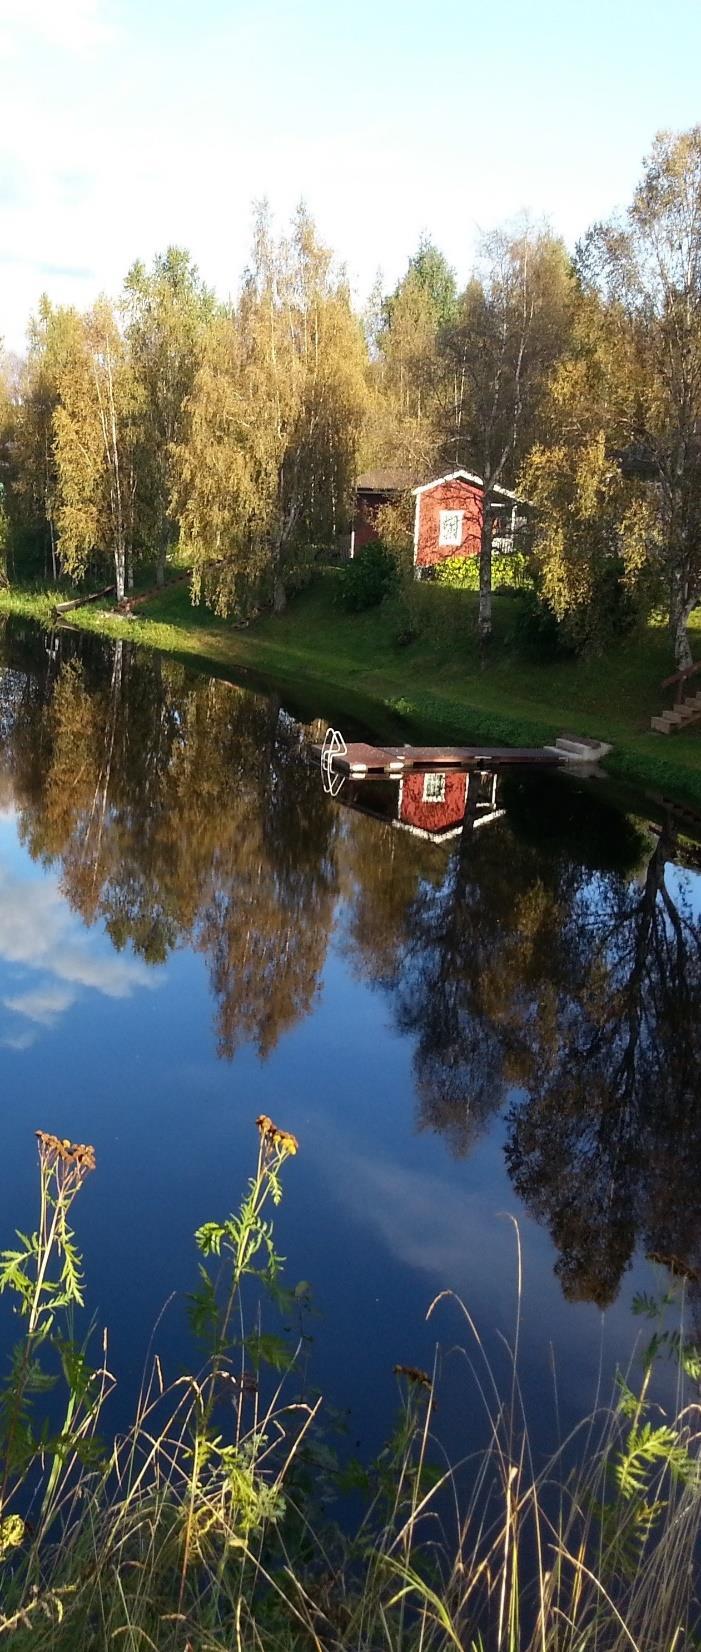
(473, 757)
(360, 758)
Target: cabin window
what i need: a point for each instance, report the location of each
(434, 788)
(450, 528)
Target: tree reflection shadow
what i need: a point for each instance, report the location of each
(565, 984)
(606, 1145)
(180, 813)
(548, 967)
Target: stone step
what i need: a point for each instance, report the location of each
(576, 746)
(575, 750)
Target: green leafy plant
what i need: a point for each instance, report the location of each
(511, 570)
(368, 579)
(402, 707)
(44, 1275)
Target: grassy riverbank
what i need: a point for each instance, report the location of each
(436, 683)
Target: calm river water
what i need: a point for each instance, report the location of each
(460, 1027)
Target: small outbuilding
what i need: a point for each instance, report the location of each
(373, 489)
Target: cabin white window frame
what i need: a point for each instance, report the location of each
(434, 787)
(450, 529)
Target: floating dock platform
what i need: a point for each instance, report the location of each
(360, 759)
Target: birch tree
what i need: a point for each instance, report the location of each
(50, 335)
(94, 439)
(407, 372)
(647, 271)
(595, 523)
(268, 463)
(166, 310)
(511, 328)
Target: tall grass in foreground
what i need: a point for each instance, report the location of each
(209, 1526)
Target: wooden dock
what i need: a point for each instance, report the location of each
(360, 759)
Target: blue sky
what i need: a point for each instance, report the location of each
(129, 124)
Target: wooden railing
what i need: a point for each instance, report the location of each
(680, 677)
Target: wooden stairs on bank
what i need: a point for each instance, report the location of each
(687, 707)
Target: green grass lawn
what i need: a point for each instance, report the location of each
(437, 683)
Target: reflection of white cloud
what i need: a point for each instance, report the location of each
(427, 1223)
(38, 932)
(443, 1229)
(43, 1004)
(19, 1041)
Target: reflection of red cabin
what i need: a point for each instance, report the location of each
(448, 518)
(433, 803)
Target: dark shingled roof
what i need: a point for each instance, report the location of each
(385, 481)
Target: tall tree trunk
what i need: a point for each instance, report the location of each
(680, 608)
(161, 549)
(484, 623)
(119, 565)
(54, 563)
(279, 592)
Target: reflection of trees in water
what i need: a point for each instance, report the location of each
(607, 1145)
(577, 991)
(180, 812)
(461, 942)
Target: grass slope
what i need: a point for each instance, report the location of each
(437, 682)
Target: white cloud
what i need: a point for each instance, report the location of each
(71, 25)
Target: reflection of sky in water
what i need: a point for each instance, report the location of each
(685, 886)
(48, 959)
(377, 1214)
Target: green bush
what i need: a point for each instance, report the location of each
(368, 579)
(404, 621)
(537, 630)
(612, 612)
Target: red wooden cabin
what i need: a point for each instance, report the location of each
(447, 515)
(448, 518)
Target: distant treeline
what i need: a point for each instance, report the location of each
(237, 430)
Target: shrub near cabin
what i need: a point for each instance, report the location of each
(448, 520)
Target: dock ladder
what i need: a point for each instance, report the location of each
(334, 746)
